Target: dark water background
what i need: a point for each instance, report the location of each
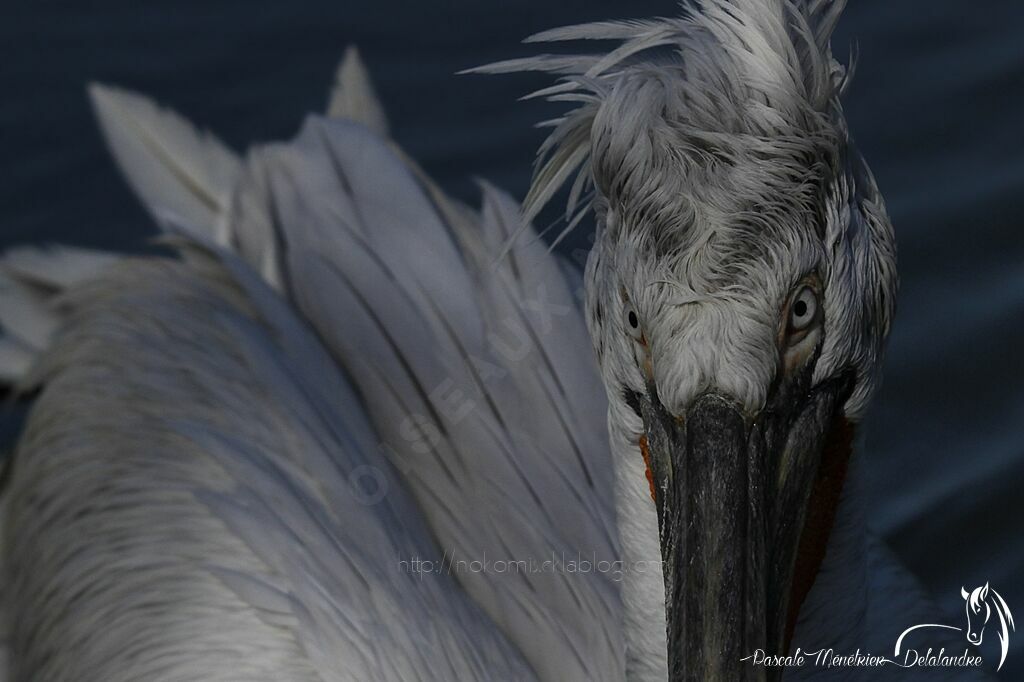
(936, 107)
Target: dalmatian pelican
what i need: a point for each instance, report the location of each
(346, 428)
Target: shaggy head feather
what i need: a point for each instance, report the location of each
(723, 174)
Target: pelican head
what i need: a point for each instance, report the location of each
(738, 295)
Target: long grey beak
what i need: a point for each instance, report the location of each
(732, 496)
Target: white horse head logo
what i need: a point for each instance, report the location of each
(979, 604)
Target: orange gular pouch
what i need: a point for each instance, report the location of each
(647, 465)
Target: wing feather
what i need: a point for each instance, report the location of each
(179, 172)
(354, 97)
(463, 338)
(207, 509)
(478, 378)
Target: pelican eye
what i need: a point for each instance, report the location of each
(803, 311)
(632, 321)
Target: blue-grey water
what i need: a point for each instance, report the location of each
(936, 106)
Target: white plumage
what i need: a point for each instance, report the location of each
(245, 536)
(239, 452)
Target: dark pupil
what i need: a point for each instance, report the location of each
(633, 322)
(800, 308)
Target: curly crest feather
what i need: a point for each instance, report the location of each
(726, 77)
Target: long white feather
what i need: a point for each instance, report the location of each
(31, 281)
(354, 97)
(54, 267)
(179, 172)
